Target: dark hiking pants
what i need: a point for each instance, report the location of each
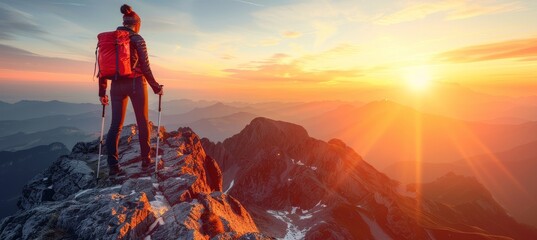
(136, 90)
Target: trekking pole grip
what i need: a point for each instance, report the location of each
(103, 110)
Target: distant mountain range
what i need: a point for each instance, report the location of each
(35, 109)
(179, 106)
(386, 132)
(471, 201)
(37, 116)
(463, 104)
(220, 128)
(457, 101)
(19, 167)
(67, 135)
(210, 112)
(509, 175)
(88, 122)
(219, 121)
(27, 124)
(368, 128)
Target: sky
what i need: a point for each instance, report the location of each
(261, 50)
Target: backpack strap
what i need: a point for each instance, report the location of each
(131, 33)
(117, 61)
(133, 67)
(96, 62)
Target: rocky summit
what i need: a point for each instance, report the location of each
(184, 200)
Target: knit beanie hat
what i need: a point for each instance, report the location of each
(130, 18)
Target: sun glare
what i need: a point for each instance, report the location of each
(417, 78)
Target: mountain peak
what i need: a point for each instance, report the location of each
(385, 104)
(267, 132)
(338, 142)
(453, 189)
(218, 104)
(267, 127)
(56, 146)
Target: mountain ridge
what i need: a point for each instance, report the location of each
(26, 109)
(372, 127)
(516, 193)
(220, 128)
(67, 135)
(468, 196)
(287, 181)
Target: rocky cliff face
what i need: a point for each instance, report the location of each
(297, 187)
(183, 201)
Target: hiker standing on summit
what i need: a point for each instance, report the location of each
(134, 87)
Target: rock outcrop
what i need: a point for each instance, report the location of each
(184, 200)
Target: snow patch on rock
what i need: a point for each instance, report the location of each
(294, 216)
(374, 227)
(159, 206)
(300, 163)
(230, 186)
(293, 232)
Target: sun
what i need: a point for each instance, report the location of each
(417, 77)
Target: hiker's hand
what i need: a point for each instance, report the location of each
(104, 100)
(161, 92)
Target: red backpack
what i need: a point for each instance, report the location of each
(113, 54)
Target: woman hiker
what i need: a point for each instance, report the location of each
(133, 87)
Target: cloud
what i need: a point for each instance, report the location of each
(14, 22)
(273, 41)
(47, 27)
(473, 10)
(21, 60)
(330, 58)
(291, 34)
(324, 31)
(453, 9)
(21, 65)
(284, 68)
(319, 18)
(269, 42)
(73, 4)
(524, 49)
(171, 22)
(250, 3)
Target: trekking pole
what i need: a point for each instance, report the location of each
(158, 130)
(100, 144)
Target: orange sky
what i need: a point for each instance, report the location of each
(279, 50)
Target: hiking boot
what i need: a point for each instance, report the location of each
(147, 163)
(150, 163)
(115, 171)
